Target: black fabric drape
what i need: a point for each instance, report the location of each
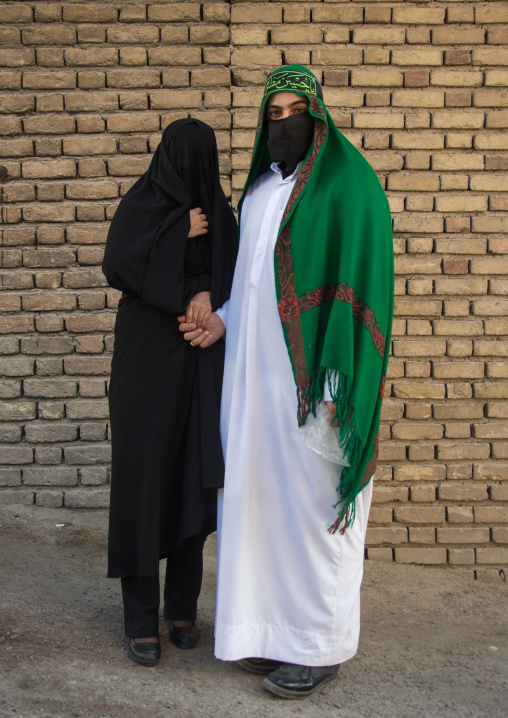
(147, 239)
(164, 395)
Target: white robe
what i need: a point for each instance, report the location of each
(287, 589)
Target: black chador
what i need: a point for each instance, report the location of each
(164, 396)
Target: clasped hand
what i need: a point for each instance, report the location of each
(205, 335)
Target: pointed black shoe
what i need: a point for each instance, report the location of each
(183, 636)
(146, 654)
(295, 682)
(261, 666)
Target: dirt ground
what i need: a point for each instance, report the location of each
(434, 642)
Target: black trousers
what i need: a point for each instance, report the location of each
(141, 594)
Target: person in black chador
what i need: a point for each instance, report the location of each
(171, 249)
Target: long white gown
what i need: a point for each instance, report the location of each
(287, 589)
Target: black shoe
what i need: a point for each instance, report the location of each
(293, 681)
(261, 666)
(183, 636)
(147, 654)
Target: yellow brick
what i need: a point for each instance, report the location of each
(492, 556)
(335, 35)
(256, 13)
(412, 223)
(249, 35)
(423, 494)
(419, 390)
(338, 97)
(458, 140)
(458, 36)
(381, 161)
(485, 14)
(445, 327)
(491, 514)
(458, 514)
(459, 161)
(463, 535)
(490, 98)
(423, 58)
(417, 140)
(497, 370)
(458, 370)
(418, 16)
(413, 182)
(489, 265)
(378, 120)
(386, 494)
(210, 76)
(204, 34)
(418, 265)
(291, 35)
(490, 224)
(496, 120)
(491, 141)
(490, 56)
(337, 13)
(419, 348)
(419, 514)
(172, 99)
(391, 452)
(375, 35)
(491, 430)
(376, 78)
(456, 78)
(417, 98)
(496, 78)
(256, 56)
(174, 12)
(425, 556)
(174, 56)
(386, 535)
(412, 431)
(336, 56)
(461, 246)
(466, 450)
(466, 203)
(216, 12)
(296, 13)
(247, 98)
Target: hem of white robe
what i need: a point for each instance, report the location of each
(278, 643)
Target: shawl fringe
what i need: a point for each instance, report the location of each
(340, 386)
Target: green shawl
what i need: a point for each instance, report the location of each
(334, 281)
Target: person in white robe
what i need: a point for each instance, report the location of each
(288, 592)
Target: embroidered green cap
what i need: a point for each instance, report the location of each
(293, 78)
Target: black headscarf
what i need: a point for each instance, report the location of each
(147, 240)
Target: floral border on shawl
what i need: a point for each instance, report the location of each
(296, 305)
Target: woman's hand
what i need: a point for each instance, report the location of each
(202, 337)
(199, 309)
(198, 223)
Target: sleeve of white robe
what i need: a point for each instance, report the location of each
(222, 313)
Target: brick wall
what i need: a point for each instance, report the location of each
(420, 88)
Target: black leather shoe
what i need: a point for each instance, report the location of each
(147, 654)
(183, 636)
(261, 666)
(294, 681)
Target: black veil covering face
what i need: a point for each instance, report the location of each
(147, 240)
(289, 140)
(164, 395)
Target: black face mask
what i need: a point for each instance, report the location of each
(289, 140)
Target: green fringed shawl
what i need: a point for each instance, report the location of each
(334, 280)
